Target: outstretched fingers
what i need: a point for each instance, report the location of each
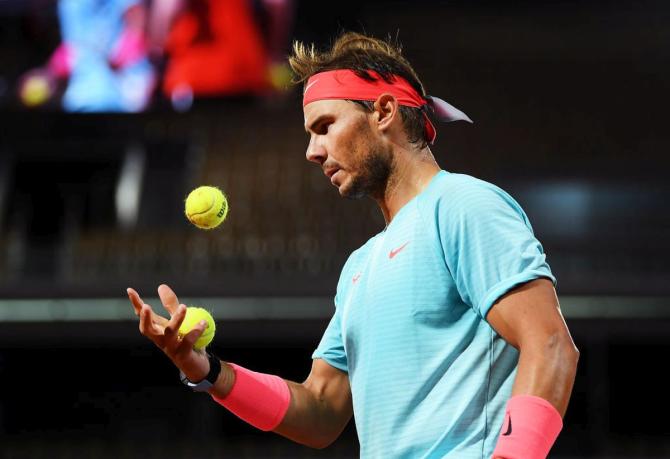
(172, 327)
(137, 303)
(165, 334)
(135, 300)
(168, 298)
(147, 326)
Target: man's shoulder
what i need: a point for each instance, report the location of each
(455, 189)
(456, 182)
(456, 196)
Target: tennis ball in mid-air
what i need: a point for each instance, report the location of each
(35, 90)
(206, 207)
(193, 316)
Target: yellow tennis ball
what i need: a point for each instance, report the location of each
(280, 76)
(206, 207)
(193, 316)
(35, 91)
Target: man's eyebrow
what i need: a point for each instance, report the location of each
(315, 122)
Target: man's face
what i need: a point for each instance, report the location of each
(343, 142)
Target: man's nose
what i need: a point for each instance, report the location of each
(316, 153)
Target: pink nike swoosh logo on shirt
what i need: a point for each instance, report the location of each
(355, 278)
(395, 252)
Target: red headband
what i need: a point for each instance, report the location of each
(345, 84)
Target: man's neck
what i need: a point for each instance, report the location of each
(411, 174)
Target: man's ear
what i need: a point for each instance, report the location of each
(386, 108)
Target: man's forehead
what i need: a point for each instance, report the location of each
(318, 108)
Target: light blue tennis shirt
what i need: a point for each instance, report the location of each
(429, 376)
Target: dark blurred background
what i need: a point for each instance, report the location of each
(98, 151)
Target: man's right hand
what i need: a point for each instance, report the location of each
(164, 333)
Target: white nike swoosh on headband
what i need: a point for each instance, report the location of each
(309, 86)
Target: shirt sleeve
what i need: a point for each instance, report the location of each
(489, 243)
(331, 347)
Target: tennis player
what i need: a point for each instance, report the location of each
(447, 338)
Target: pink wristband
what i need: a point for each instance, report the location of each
(530, 429)
(257, 398)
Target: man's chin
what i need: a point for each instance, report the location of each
(348, 190)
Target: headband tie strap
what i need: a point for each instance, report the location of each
(345, 84)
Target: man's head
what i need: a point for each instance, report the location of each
(352, 139)
(371, 59)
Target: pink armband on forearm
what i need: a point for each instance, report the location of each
(530, 429)
(259, 399)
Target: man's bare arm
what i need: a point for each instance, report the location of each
(530, 319)
(320, 407)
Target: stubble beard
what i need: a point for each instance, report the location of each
(373, 176)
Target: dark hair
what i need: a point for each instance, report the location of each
(363, 54)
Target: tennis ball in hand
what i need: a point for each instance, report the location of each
(206, 207)
(193, 316)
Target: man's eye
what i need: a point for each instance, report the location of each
(323, 128)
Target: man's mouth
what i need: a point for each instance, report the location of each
(331, 171)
